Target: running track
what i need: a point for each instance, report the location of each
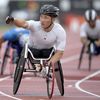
(79, 84)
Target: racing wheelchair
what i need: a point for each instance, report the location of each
(90, 53)
(53, 72)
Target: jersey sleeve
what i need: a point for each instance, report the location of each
(83, 31)
(31, 24)
(61, 41)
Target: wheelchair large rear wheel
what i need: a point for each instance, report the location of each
(50, 81)
(18, 73)
(59, 77)
(5, 59)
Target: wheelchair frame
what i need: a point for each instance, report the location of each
(89, 56)
(55, 70)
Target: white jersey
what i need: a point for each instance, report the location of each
(40, 39)
(87, 31)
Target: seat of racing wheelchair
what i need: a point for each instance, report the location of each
(40, 54)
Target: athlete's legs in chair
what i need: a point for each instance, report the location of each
(96, 50)
(17, 51)
(39, 53)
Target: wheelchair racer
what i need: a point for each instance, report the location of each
(90, 31)
(16, 37)
(46, 33)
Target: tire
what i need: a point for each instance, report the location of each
(90, 61)
(59, 77)
(90, 57)
(18, 73)
(50, 82)
(5, 58)
(81, 56)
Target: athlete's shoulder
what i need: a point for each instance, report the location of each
(33, 23)
(98, 21)
(58, 27)
(59, 30)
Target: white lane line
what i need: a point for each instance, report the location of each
(5, 78)
(77, 84)
(66, 60)
(4, 94)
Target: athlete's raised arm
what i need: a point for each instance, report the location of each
(17, 22)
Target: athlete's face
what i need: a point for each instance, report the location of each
(45, 21)
(92, 24)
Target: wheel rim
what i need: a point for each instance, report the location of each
(19, 72)
(59, 78)
(50, 82)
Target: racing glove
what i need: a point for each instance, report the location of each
(9, 19)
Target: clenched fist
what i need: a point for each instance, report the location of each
(9, 19)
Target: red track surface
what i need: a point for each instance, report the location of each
(77, 87)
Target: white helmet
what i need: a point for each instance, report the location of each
(90, 15)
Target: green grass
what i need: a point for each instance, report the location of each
(4, 28)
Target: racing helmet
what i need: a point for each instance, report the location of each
(49, 10)
(90, 15)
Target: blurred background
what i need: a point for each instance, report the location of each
(71, 11)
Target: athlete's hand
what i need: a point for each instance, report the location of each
(51, 62)
(9, 19)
